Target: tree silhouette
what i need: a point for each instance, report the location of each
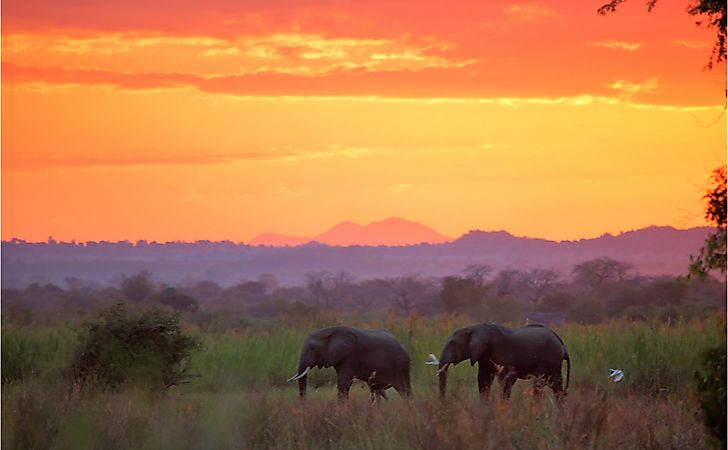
(713, 254)
(327, 289)
(598, 272)
(713, 10)
(138, 287)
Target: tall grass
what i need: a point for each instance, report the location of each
(240, 399)
(276, 420)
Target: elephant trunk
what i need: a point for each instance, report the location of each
(302, 386)
(303, 368)
(442, 374)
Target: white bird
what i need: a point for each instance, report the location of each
(615, 375)
(433, 361)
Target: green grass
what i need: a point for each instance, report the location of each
(240, 399)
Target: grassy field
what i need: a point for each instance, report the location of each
(239, 397)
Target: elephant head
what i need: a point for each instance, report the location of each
(327, 347)
(475, 343)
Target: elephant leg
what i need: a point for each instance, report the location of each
(485, 379)
(539, 382)
(343, 382)
(377, 394)
(402, 389)
(556, 383)
(507, 381)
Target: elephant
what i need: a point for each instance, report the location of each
(374, 356)
(531, 351)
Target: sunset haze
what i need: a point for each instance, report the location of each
(225, 120)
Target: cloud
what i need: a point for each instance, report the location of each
(692, 44)
(435, 88)
(618, 45)
(529, 12)
(298, 53)
(628, 88)
(287, 154)
(401, 188)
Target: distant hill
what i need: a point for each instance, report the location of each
(391, 232)
(652, 251)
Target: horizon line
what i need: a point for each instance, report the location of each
(52, 241)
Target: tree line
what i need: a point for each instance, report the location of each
(593, 291)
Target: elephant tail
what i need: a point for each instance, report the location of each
(568, 368)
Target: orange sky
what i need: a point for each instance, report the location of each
(170, 120)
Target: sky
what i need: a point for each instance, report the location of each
(184, 120)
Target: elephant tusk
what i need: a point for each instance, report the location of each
(443, 368)
(301, 375)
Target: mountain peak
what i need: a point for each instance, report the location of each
(392, 231)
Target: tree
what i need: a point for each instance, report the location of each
(327, 289)
(138, 287)
(713, 10)
(408, 291)
(143, 348)
(598, 272)
(558, 301)
(508, 282)
(713, 254)
(538, 282)
(478, 273)
(177, 300)
(711, 381)
(459, 293)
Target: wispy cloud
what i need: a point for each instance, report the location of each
(692, 44)
(298, 53)
(401, 188)
(618, 45)
(529, 12)
(629, 88)
(285, 155)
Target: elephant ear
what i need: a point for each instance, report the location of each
(480, 340)
(340, 345)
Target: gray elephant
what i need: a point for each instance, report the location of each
(531, 351)
(374, 356)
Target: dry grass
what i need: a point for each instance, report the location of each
(593, 419)
(242, 401)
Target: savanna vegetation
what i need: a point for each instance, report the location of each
(233, 393)
(594, 291)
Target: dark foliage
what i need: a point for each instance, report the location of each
(459, 294)
(713, 254)
(138, 287)
(178, 300)
(146, 348)
(713, 10)
(711, 381)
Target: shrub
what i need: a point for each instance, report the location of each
(178, 300)
(712, 392)
(145, 348)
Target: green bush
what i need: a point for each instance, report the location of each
(712, 392)
(146, 348)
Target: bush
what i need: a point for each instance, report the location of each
(589, 310)
(712, 392)
(178, 300)
(146, 348)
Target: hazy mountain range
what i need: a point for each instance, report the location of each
(652, 251)
(392, 231)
